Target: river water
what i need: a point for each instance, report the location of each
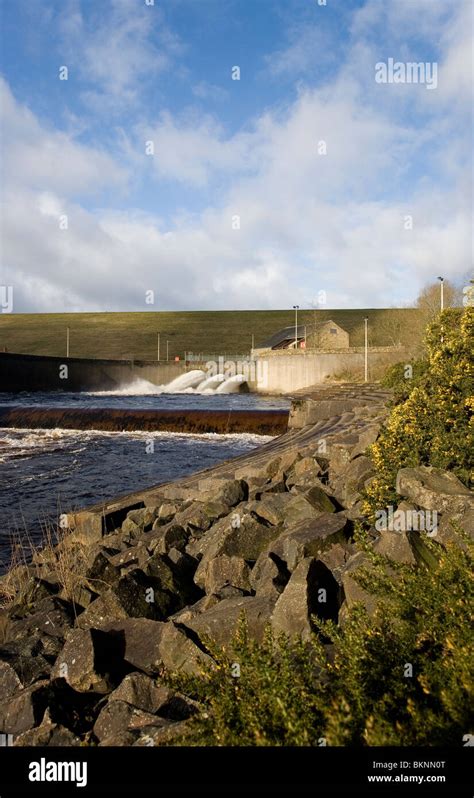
(46, 472)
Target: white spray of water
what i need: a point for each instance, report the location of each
(232, 385)
(189, 380)
(194, 381)
(137, 387)
(210, 384)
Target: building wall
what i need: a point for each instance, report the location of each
(323, 338)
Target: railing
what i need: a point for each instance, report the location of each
(203, 357)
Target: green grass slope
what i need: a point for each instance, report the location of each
(134, 335)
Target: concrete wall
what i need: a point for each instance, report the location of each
(37, 373)
(286, 372)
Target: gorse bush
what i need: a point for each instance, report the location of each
(401, 677)
(434, 424)
(396, 377)
(404, 675)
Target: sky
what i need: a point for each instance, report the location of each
(233, 154)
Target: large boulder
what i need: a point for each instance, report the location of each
(91, 661)
(201, 514)
(210, 489)
(203, 604)
(304, 473)
(168, 734)
(148, 595)
(164, 538)
(318, 496)
(224, 573)
(29, 657)
(311, 590)
(144, 517)
(269, 576)
(119, 716)
(367, 436)
(434, 489)
(219, 623)
(451, 527)
(136, 556)
(280, 466)
(130, 527)
(271, 507)
(48, 733)
(353, 592)
(310, 538)
(241, 535)
(139, 690)
(167, 511)
(396, 546)
(257, 486)
(105, 607)
(52, 617)
(151, 645)
(306, 507)
(24, 709)
(142, 692)
(10, 683)
(350, 482)
(103, 573)
(336, 557)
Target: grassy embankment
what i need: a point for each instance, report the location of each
(134, 335)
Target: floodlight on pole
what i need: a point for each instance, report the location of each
(366, 362)
(296, 308)
(441, 279)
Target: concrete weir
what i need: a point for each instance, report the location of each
(258, 422)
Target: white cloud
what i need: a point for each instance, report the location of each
(308, 221)
(45, 159)
(209, 91)
(194, 149)
(117, 50)
(306, 49)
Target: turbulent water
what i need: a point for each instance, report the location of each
(187, 400)
(46, 472)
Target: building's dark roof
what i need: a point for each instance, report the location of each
(286, 334)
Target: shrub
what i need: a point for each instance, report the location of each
(396, 378)
(434, 425)
(357, 691)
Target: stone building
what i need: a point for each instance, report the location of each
(327, 335)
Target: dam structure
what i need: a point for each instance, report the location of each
(265, 372)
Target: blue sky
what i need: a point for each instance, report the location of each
(237, 207)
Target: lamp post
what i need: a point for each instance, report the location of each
(441, 279)
(167, 350)
(366, 370)
(158, 352)
(296, 308)
(67, 341)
